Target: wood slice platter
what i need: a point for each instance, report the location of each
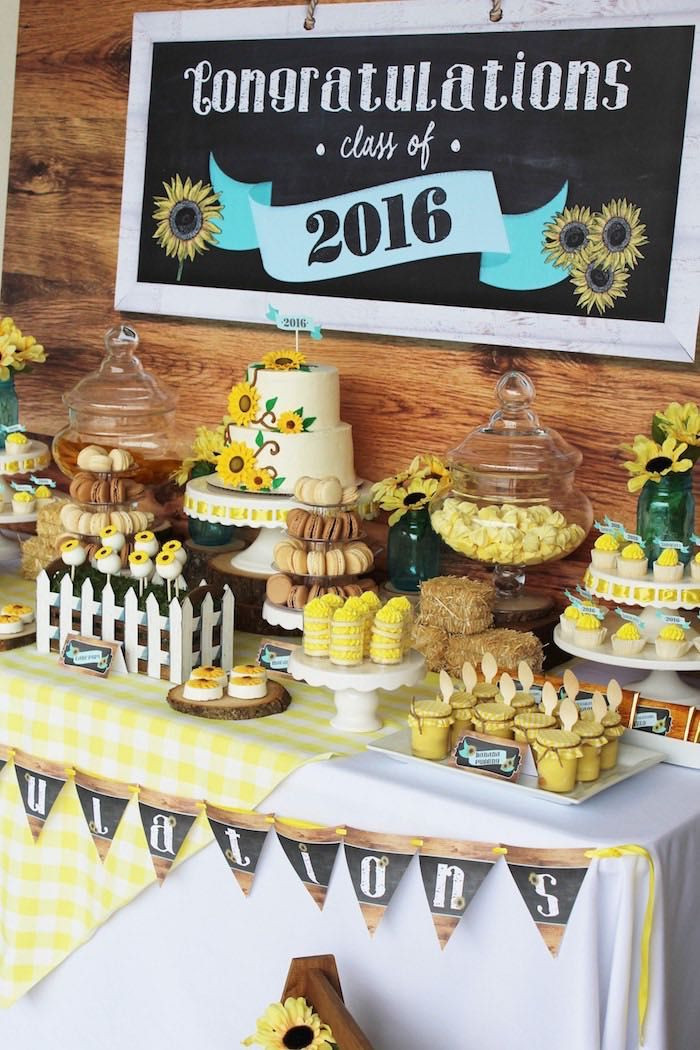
(276, 700)
(14, 641)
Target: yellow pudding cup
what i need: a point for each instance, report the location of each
(496, 719)
(462, 711)
(522, 702)
(556, 753)
(485, 691)
(430, 722)
(613, 729)
(592, 744)
(526, 725)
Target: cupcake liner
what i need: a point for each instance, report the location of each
(695, 570)
(632, 569)
(666, 650)
(668, 573)
(590, 639)
(567, 627)
(604, 560)
(627, 646)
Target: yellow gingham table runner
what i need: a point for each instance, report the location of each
(54, 893)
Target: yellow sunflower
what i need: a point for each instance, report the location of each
(287, 361)
(164, 558)
(291, 1024)
(598, 285)
(184, 219)
(243, 403)
(652, 461)
(290, 423)
(567, 236)
(617, 235)
(413, 495)
(681, 422)
(258, 479)
(234, 462)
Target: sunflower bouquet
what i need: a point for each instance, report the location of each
(674, 446)
(207, 446)
(17, 351)
(293, 1023)
(412, 488)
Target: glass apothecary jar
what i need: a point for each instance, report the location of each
(513, 501)
(121, 406)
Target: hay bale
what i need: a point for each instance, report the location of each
(508, 648)
(457, 604)
(432, 643)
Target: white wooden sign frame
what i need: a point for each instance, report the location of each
(672, 340)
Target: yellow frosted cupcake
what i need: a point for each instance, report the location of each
(632, 562)
(668, 568)
(671, 642)
(604, 553)
(627, 641)
(695, 567)
(567, 622)
(23, 502)
(589, 633)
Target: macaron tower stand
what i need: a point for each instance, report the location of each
(324, 550)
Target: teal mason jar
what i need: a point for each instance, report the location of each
(666, 511)
(413, 551)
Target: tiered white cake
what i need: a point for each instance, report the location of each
(286, 423)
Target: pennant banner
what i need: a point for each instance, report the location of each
(452, 872)
(549, 882)
(5, 756)
(40, 783)
(166, 821)
(240, 837)
(311, 851)
(376, 864)
(103, 803)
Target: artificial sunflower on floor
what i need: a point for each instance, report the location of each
(185, 219)
(681, 422)
(243, 404)
(598, 285)
(567, 236)
(284, 361)
(617, 235)
(234, 462)
(292, 1025)
(652, 461)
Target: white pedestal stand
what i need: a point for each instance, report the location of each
(355, 688)
(207, 501)
(279, 616)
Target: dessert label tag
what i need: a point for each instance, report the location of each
(293, 322)
(675, 545)
(274, 654)
(90, 655)
(656, 719)
(21, 488)
(630, 617)
(491, 756)
(678, 621)
(591, 610)
(608, 526)
(632, 537)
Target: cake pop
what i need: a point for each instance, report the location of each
(146, 541)
(111, 537)
(176, 548)
(169, 567)
(108, 561)
(73, 553)
(141, 567)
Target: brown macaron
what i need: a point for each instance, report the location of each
(316, 590)
(296, 520)
(352, 590)
(354, 525)
(278, 588)
(298, 597)
(368, 584)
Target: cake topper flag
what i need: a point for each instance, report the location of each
(451, 873)
(489, 667)
(40, 783)
(311, 850)
(549, 882)
(507, 688)
(549, 698)
(103, 803)
(294, 323)
(446, 686)
(240, 837)
(376, 864)
(469, 676)
(525, 676)
(166, 821)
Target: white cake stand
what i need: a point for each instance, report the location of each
(355, 688)
(266, 511)
(280, 616)
(22, 459)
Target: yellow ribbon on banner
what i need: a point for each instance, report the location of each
(631, 849)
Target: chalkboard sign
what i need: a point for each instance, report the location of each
(412, 168)
(91, 655)
(652, 718)
(490, 755)
(274, 655)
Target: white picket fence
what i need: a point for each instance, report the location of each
(174, 644)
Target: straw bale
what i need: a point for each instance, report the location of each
(508, 648)
(432, 643)
(457, 604)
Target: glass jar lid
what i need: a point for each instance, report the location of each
(513, 441)
(120, 386)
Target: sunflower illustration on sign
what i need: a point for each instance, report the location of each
(598, 249)
(185, 219)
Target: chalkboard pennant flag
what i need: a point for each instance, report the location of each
(311, 851)
(103, 803)
(40, 784)
(240, 837)
(376, 864)
(549, 881)
(5, 755)
(452, 872)
(166, 821)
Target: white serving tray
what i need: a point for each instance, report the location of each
(631, 760)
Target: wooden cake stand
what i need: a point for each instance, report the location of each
(274, 702)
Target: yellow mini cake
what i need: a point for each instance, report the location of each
(43, 493)
(202, 689)
(632, 562)
(16, 439)
(25, 612)
(347, 636)
(247, 686)
(10, 624)
(23, 502)
(668, 568)
(212, 674)
(604, 553)
(386, 640)
(556, 752)
(627, 641)
(589, 633)
(671, 642)
(317, 627)
(430, 721)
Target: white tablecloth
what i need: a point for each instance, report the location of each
(192, 964)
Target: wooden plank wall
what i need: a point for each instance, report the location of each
(400, 395)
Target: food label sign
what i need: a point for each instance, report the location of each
(419, 163)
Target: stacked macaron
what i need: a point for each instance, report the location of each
(324, 492)
(352, 559)
(99, 461)
(89, 489)
(330, 528)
